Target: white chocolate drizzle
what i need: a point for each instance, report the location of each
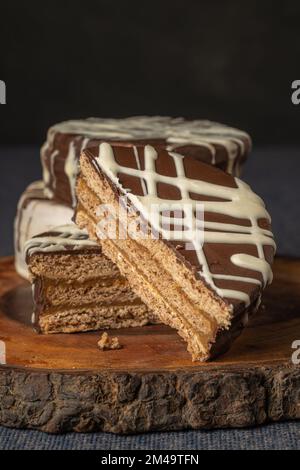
(176, 132)
(46, 171)
(240, 203)
(35, 214)
(66, 236)
(71, 170)
(52, 163)
(72, 167)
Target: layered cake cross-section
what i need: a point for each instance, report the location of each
(76, 288)
(194, 243)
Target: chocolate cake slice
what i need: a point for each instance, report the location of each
(76, 288)
(210, 142)
(204, 279)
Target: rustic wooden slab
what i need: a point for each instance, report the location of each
(65, 383)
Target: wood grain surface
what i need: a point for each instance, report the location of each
(62, 383)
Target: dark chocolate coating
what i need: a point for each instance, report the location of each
(218, 255)
(59, 143)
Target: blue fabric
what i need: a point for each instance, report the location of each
(285, 436)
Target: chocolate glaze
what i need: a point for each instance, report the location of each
(61, 240)
(70, 138)
(218, 255)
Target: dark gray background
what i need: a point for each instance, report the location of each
(232, 61)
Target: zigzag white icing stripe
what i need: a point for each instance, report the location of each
(175, 131)
(241, 203)
(67, 235)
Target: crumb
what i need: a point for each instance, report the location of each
(105, 343)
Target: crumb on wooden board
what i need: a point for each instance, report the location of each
(106, 343)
